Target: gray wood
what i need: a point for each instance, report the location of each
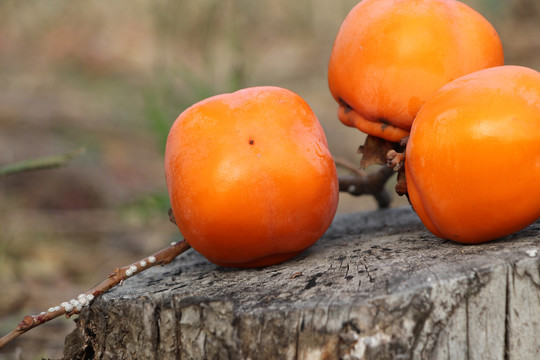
(376, 286)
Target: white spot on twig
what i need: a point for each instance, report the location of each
(174, 243)
(152, 259)
(142, 263)
(67, 306)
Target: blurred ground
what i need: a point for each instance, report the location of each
(111, 77)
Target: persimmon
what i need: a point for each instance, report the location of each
(473, 157)
(390, 56)
(250, 177)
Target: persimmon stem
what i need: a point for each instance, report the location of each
(363, 183)
(117, 276)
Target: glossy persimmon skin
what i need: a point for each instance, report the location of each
(390, 56)
(473, 158)
(250, 177)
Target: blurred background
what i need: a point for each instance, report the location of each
(111, 77)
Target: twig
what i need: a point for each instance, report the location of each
(371, 184)
(47, 162)
(74, 306)
(346, 164)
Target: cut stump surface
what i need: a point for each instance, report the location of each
(378, 285)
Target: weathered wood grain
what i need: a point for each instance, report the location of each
(376, 286)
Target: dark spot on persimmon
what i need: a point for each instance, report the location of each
(251, 142)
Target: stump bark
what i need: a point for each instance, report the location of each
(376, 286)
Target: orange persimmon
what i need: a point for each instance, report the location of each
(473, 157)
(250, 177)
(390, 56)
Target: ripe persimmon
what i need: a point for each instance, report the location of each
(250, 177)
(473, 157)
(390, 56)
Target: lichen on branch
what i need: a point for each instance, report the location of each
(117, 276)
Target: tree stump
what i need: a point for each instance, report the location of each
(378, 285)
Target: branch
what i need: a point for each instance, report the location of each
(74, 306)
(346, 164)
(47, 162)
(371, 184)
(363, 183)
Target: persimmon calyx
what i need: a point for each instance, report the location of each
(401, 185)
(171, 217)
(395, 160)
(382, 129)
